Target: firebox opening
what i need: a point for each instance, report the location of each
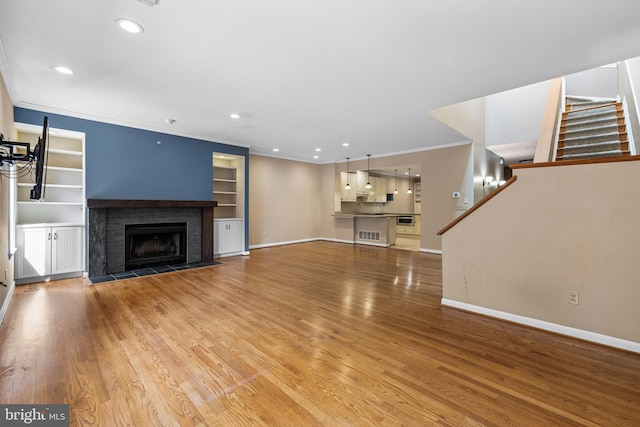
(147, 245)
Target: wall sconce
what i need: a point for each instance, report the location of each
(487, 181)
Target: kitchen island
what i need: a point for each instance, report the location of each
(373, 229)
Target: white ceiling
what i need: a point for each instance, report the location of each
(303, 74)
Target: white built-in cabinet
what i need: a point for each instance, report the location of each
(229, 192)
(48, 251)
(351, 194)
(227, 237)
(357, 181)
(50, 233)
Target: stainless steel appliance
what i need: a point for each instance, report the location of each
(405, 220)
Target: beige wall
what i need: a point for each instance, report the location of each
(292, 201)
(6, 263)
(286, 201)
(555, 230)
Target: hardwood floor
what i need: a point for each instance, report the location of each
(310, 334)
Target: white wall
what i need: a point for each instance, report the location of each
(515, 115)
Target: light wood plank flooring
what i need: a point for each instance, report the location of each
(310, 334)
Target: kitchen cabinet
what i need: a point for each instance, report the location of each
(348, 195)
(380, 189)
(361, 181)
(48, 251)
(405, 229)
(418, 225)
(228, 237)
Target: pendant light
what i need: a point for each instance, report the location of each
(396, 190)
(409, 190)
(368, 186)
(347, 187)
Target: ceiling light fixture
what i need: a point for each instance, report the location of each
(396, 190)
(347, 187)
(129, 26)
(169, 121)
(276, 149)
(63, 70)
(345, 144)
(316, 157)
(368, 186)
(409, 190)
(318, 149)
(234, 115)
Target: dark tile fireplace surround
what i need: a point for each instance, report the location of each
(108, 219)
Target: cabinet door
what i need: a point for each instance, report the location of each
(234, 236)
(219, 237)
(66, 249)
(348, 195)
(33, 257)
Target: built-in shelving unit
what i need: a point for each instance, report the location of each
(228, 191)
(50, 233)
(225, 189)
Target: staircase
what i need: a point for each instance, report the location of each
(592, 129)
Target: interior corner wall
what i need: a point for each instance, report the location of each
(285, 202)
(444, 171)
(6, 261)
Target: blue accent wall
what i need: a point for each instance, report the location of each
(127, 163)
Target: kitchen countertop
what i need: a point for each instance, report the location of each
(384, 215)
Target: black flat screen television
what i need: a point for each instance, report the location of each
(39, 156)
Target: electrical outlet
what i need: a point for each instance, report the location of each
(574, 297)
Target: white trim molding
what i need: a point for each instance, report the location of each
(431, 251)
(547, 326)
(7, 300)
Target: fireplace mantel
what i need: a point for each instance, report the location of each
(98, 225)
(119, 203)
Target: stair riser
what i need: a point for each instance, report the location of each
(594, 131)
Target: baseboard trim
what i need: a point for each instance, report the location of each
(7, 300)
(547, 326)
(290, 242)
(431, 251)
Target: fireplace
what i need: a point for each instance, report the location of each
(108, 219)
(147, 245)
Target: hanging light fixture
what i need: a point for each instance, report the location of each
(347, 187)
(368, 186)
(396, 190)
(409, 190)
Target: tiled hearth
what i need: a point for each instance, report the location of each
(108, 219)
(149, 271)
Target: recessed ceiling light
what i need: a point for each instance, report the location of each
(234, 116)
(316, 157)
(318, 149)
(169, 121)
(129, 26)
(63, 70)
(276, 149)
(345, 144)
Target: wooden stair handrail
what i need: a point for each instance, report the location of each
(575, 162)
(477, 205)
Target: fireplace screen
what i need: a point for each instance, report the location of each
(147, 245)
